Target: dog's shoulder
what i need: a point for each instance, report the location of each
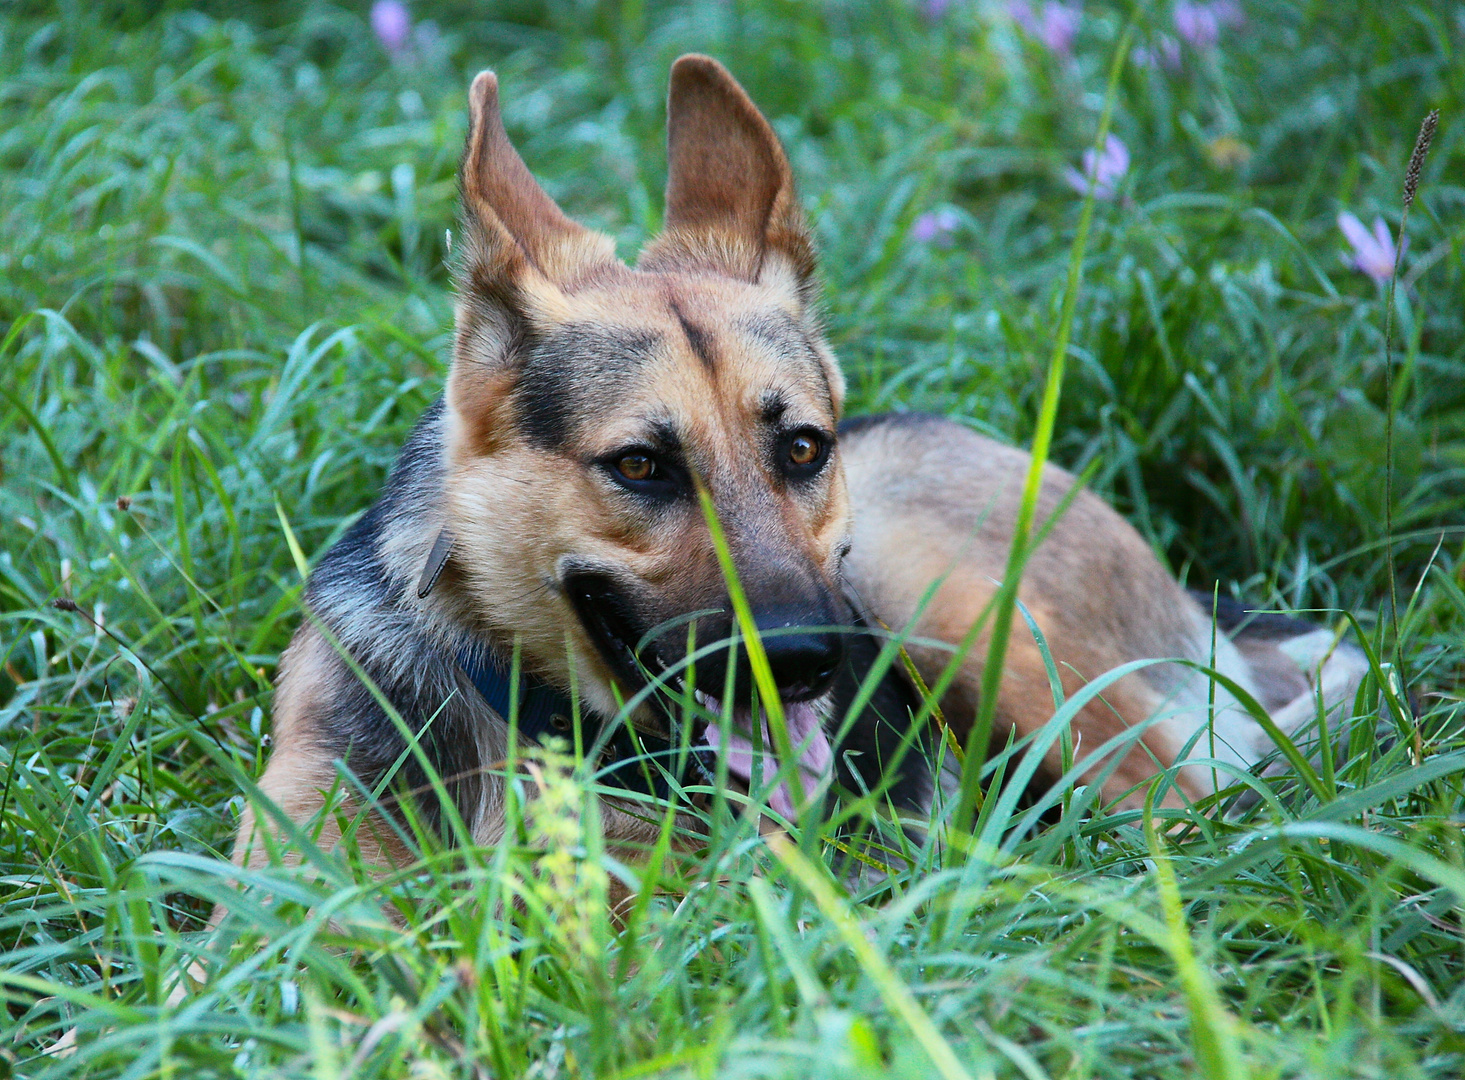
(365, 570)
(376, 645)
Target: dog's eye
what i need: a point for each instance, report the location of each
(646, 472)
(636, 467)
(804, 449)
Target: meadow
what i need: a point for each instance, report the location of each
(224, 301)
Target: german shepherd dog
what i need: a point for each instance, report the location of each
(545, 523)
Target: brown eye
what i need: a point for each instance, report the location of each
(803, 449)
(636, 467)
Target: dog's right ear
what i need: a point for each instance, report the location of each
(517, 255)
(512, 227)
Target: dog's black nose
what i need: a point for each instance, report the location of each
(803, 659)
(804, 650)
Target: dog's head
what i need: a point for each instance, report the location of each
(589, 403)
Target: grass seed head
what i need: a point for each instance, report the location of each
(1416, 159)
(567, 885)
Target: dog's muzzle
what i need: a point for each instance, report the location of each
(804, 654)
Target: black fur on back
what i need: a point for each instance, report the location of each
(855, 425)
(1236, 620)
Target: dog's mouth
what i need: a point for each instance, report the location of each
(750, 752)
(611, 626)
(752, 756)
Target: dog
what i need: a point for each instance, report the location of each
(541, 555)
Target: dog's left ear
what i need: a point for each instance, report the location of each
(730, 201)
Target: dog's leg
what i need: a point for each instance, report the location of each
(303, 765)
(1332, 671)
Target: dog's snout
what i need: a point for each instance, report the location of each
(804, 650)
(803, 663)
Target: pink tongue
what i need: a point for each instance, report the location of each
(810, 743)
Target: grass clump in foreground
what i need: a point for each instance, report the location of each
(223, 303)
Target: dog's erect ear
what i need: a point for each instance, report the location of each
(512, 226)
(517, 257)
(514, 263)
(730, 201)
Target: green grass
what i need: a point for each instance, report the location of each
(223, 300)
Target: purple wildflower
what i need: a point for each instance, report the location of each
(392, 24)
(1021, 12)
(935, 226)
(1197, 25)
(1103, 171)
(1060, 26)
(1164, 53)
(1229, 13)
(1373, 253)
(1055, 26)
(935, 10)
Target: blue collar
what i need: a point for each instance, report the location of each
(544, 710)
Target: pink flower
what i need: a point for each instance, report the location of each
(1103, 171)
(935, 226)
(1373, 253)
(392, 24)
(1056, 26)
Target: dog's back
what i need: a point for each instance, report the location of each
(934, 501)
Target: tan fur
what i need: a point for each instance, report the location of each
(516, 513)
(300, 773)
(936, 502)
(519, 229)
(517, 510)
(730, 201)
